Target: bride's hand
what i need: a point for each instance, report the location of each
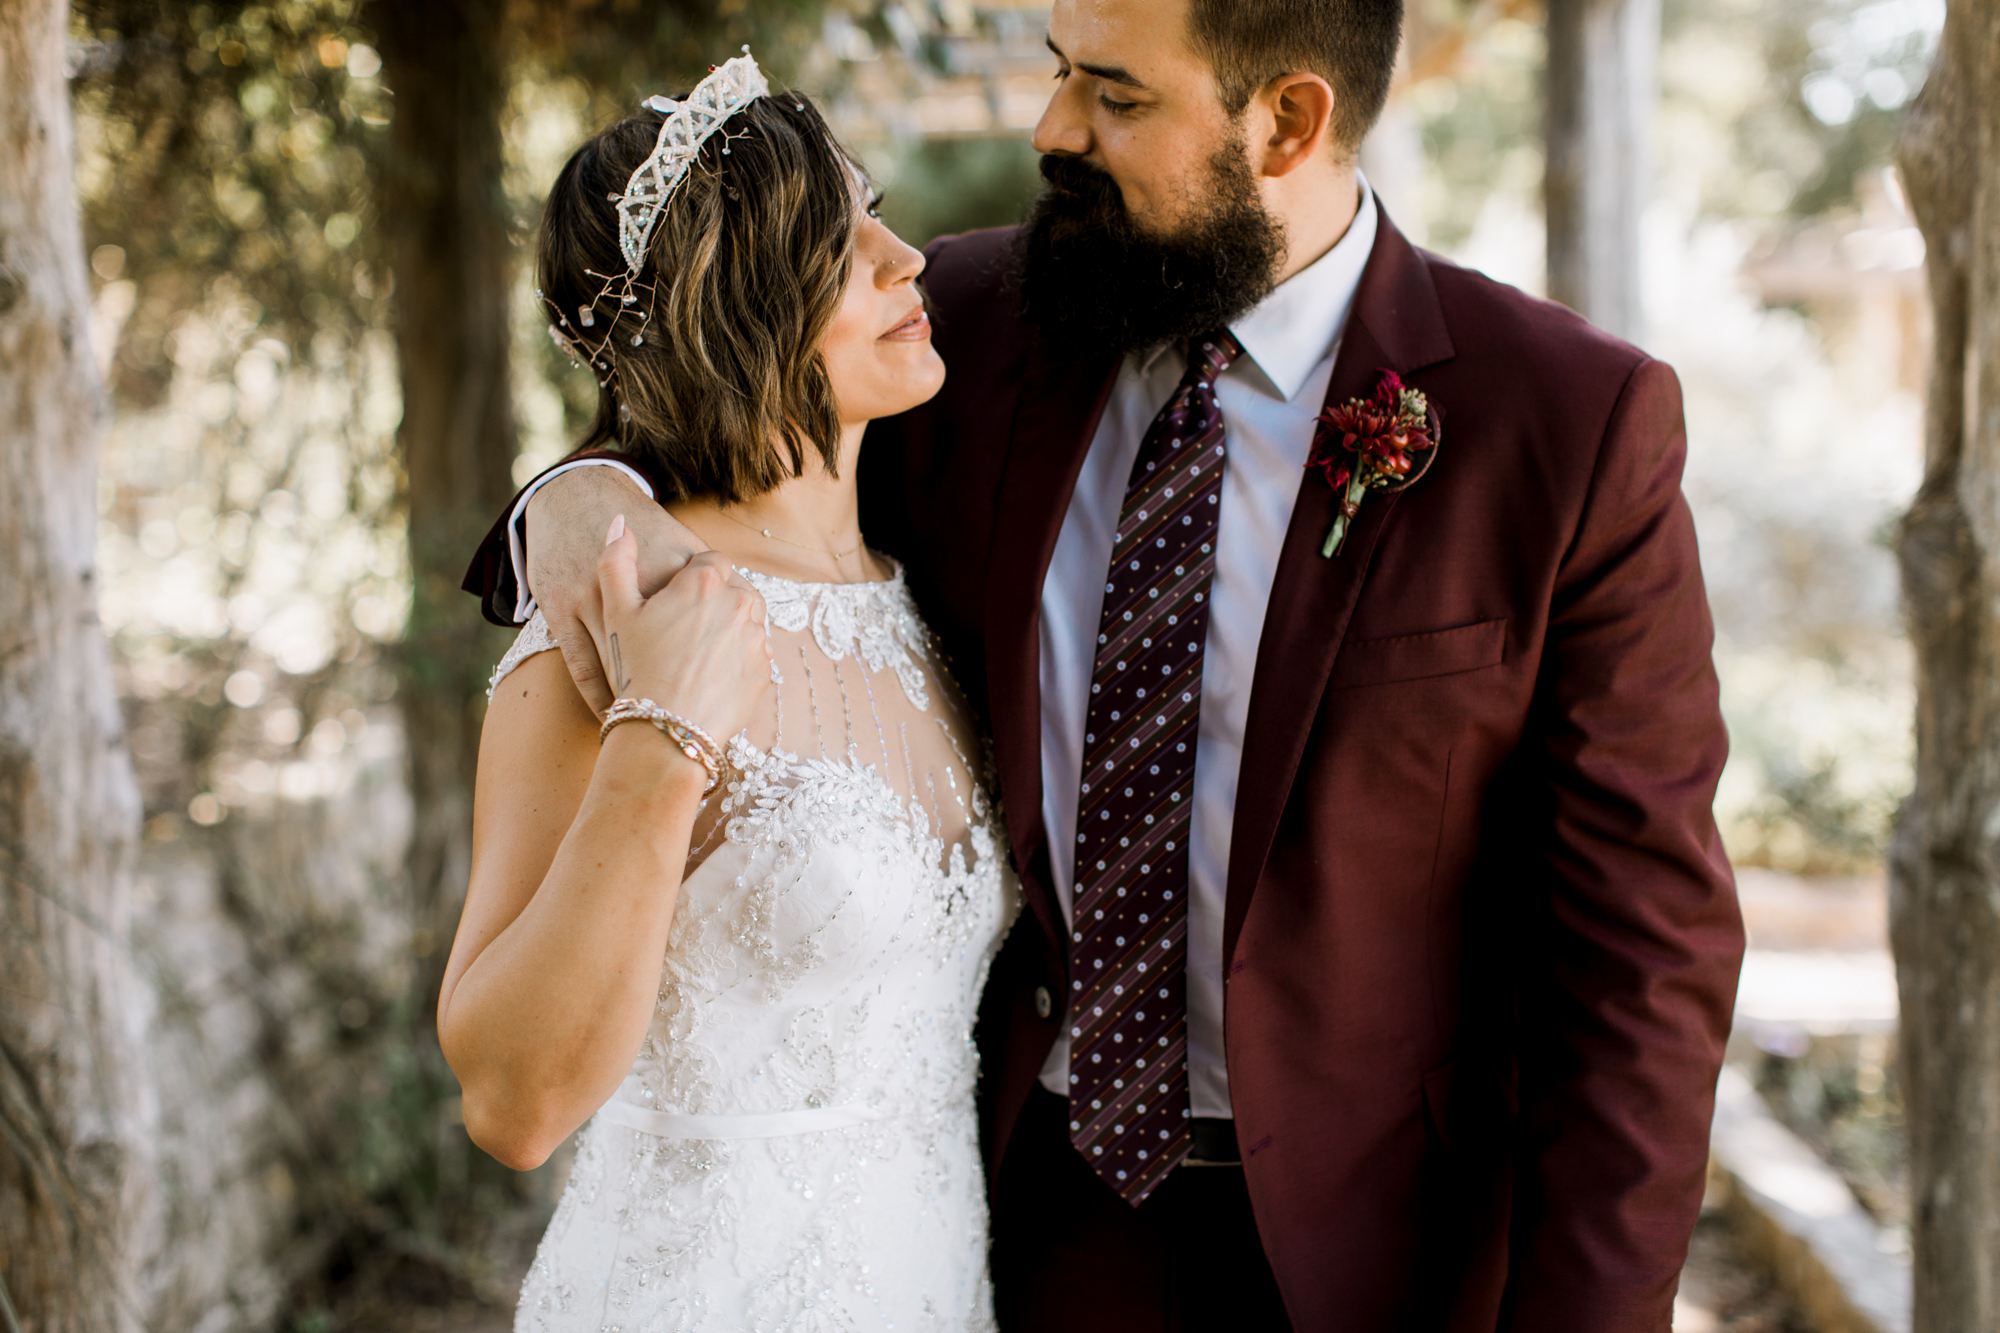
(697, 647)
(562, 518)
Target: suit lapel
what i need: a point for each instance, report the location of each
(1396, 325)
(1054, 421)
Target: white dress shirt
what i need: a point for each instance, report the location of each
(1269, 399)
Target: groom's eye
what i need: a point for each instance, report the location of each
(1116, 107)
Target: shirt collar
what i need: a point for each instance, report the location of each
(1298, 325)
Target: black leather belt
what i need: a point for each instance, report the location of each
(1214, 1143)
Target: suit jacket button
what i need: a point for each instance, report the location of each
(1043, 1004)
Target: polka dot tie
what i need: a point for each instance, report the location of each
(1128, 1082)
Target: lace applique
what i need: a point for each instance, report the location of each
(872, 621)
(833, 954)
(535, 637)
(847, 891)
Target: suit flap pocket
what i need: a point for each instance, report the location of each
(1442, 652)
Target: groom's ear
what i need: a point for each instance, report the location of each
(1298, 109)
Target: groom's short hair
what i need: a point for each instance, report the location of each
(1349, 43)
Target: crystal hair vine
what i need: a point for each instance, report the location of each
(687, 125)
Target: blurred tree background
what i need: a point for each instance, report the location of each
(307, 222)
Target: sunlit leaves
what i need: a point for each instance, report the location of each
(252, 519)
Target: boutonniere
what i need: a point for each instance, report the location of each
(1379, 443)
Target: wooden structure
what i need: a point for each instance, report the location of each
(1945, 898)
(1600, 89)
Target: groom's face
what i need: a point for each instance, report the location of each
(1136, 101)
(1154, 225)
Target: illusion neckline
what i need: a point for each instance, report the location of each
(895, 580)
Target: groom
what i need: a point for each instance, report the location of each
(1380, 946)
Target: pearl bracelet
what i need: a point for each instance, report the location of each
(691, 740)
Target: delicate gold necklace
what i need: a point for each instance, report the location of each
(836, 556)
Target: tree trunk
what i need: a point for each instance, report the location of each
(445, 215)
(1599, 90)
(71, 1170)
(1945, 886)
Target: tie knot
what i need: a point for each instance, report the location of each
(1210, 355)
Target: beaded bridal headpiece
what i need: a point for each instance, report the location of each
(688, 125)
(728, 89)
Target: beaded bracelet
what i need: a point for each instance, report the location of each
(691, 740)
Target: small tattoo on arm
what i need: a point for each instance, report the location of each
(619, 680)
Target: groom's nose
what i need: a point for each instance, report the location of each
(1064, 127)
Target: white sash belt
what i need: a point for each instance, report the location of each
(764, 1125)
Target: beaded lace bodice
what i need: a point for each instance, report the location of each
(794, 1147)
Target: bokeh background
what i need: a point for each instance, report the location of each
(268, 627)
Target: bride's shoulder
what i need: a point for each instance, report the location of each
(532, 705)
(537, 748)
(535, 637)
(533, 680)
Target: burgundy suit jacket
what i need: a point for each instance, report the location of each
(1481, 941)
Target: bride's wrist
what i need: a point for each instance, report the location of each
(686, 736)
(638, 763)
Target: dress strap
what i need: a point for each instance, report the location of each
(535, 637)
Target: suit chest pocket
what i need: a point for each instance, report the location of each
(1444, 652)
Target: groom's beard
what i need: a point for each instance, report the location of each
(1092, 278)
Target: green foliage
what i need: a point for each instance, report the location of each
(231, 140)
(937, 188)
(625, 52)
(1482, 129)
(1841, 1095)
(1808, 92)
(224, 173)
(1807, 821)
(1768, 111)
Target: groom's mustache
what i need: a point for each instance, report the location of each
(1082, 189)
(1092, 277)
(1074, 175)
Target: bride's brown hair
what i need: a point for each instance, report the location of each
(726, 391)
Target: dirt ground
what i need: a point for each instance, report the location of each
(1719, 1294)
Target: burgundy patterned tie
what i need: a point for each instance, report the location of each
(1128, 1082)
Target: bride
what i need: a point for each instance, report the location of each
(740, 925)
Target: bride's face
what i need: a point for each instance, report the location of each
(878, 351)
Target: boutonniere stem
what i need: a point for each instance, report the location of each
(1350, 505)
(1383, 442)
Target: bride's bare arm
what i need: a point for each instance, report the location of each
(563, 518)
(578, 853)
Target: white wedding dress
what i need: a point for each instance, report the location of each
(795, 1147)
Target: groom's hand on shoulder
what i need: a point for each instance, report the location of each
(566, 522)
